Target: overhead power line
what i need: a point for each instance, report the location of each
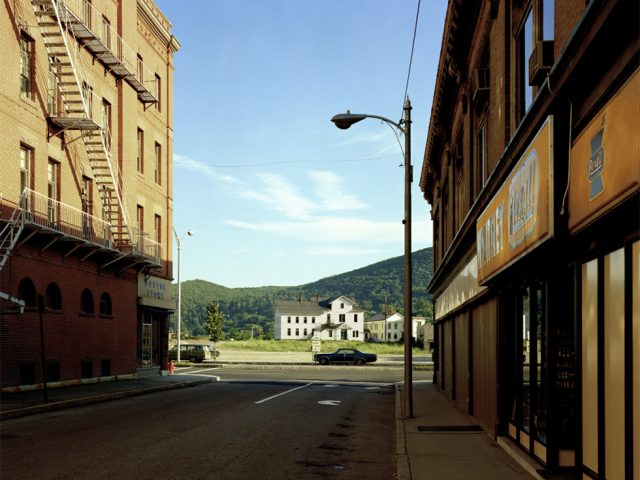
(413, 44)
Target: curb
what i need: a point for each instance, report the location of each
(76, 402)
(403, 466)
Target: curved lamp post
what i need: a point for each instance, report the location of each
(344, 121)
(179, 244)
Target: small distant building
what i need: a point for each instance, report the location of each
(336, 318)
(391, 328)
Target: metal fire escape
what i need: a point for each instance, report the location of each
(63, 26)
(8, 238)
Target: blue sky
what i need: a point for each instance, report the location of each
(275, 193)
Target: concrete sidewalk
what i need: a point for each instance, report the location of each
(442, 443)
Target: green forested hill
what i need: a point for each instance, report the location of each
(247, 307)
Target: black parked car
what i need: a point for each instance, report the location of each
(345, 355)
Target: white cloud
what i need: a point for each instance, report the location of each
(281, 196)
(341, 230)
(328, 189)
(187, 163)
(341, 251)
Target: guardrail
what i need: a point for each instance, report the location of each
(46, 212)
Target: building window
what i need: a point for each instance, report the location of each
(86, 13)
(355, 334)
(305, 332)
(105, 367)
(288, 332)
(158, 171)
(342, 317)
(328, 317)
(313, 319)
(140, 161)
(330, 333)
(53, 297)
(106, 32)
(52, 87)
(140, 218)
(27, 292)
(53, 187)
(342, 305)
(87, 93)
(355, 317)
(26, 65)
(480, 159)
(106, 122)
(158, 93)
(524, 45)
(140, 69)
(53, 371)
(26, 159)
(157, 226)
(86, 369)
(288, 319)
(86, 302)
(297, 332)
(26, 373)
(105, 304)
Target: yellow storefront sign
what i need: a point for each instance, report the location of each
(520, 215)
(605, 158)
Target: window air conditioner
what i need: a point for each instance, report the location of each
(481, 79)
(540, 62)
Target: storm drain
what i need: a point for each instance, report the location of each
(450, 428)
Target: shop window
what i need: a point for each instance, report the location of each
(27, 292)
(105, 367)
(105, 304)
(53, 297)
(86, 302)
(26, 373)
(86, 369)
(529, 400)
(53, 371)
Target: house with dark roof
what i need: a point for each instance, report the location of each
(336, 318)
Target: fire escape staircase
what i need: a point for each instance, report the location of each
(8, 238)
(65, 36)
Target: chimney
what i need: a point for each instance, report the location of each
(300, 295)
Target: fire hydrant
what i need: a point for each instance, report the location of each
(171, 367)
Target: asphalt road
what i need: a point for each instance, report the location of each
(236, 430)
(332, 373)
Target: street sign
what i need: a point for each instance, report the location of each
(315, 345)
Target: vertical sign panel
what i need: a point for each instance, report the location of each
(614, 372)
(590, 365)
(635, 269)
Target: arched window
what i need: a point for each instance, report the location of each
(86, 301)
(105, 304)
(27, 292)
(53, 297)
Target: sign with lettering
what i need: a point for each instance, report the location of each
(155, 292)
(605, 158)
(520, 216)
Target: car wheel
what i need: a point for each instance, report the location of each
(359, 361)
(193, 359)
(324, 361)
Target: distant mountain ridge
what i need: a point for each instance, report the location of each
(253, 306)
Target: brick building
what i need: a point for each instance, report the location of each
(532, 170)
(85, 189)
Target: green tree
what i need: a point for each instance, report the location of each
(215, 318)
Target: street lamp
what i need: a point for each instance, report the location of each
(179, 244)
(344, 121)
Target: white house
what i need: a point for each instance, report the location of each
(391, 329)
(337, 318)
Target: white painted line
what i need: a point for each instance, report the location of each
(333, 403)
(331, 385)
(283, 393)
(200, 370)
